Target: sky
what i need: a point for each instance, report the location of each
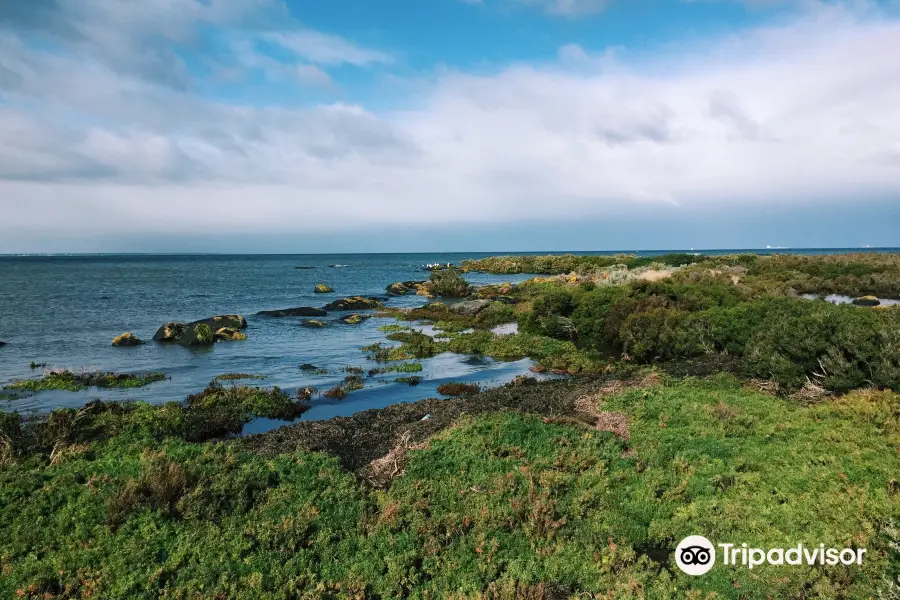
(447, 125)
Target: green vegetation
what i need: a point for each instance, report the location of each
(411, 380)
(448, 284)
(498, 506)
(236, 376)
(407, 367)
(353, 382)
(204, 334)
(73, 382)
(569, 263)
(37, 365)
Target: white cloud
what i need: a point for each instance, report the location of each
(324, 49)
(800, 112)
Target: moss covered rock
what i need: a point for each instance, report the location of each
(231, 321)
(354, 303)
(229, 334)
(170, 332)
(401, 288)
(127, 339)
(354, 319)
(299, 311)
(867, 301)
(314, 323)
(321, 288)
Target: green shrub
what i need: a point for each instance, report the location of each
(448, 284)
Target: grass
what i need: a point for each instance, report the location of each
(73, 382)
(498, 506)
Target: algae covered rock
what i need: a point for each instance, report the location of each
(229, 334)
(354, 319)
(200, 333)
(313, 323)
(867, 301)
(321, 288)
(231, 321)
(127, 339)
(299, 311)
(401, 288)
(354, 303)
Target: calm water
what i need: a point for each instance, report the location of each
(65, 311)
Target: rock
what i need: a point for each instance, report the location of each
(470, 308)
(198, 334)
(229, 334)
(354, 303)
(300, 311)
(127, 339)
(2, 344)
(354, 319)
(867, 301)
(170, 332)
(321, 288)
(303, 268)
(231, 321)
(314, 323)
(401, 288)
(308, 367)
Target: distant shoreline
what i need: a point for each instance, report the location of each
(771, 250)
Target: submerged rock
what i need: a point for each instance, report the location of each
(300, 311)
(321, 288)
(2, 344)
(354, 319)
(314, 323)
(354, 303)
(867, 301)
(304, 268)
(470, 307)
(229, 334)
(127, 339)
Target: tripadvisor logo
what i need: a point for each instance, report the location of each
(696, 555)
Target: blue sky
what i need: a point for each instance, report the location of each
(287, 126)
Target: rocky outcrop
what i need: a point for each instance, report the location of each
(401, 288)
(229, 334)
(470, 308)
(300, 311)
(127, 339)
(313, 323)
(202, 332)
(867, 301)
(321, 288)
(354, 303)
(170, 332)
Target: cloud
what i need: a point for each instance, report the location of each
(325, 49)
(795, 114)
(570, 8)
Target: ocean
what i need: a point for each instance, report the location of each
(65, 311)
